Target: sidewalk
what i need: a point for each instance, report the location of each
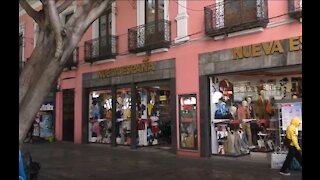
(66, 161)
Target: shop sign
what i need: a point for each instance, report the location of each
(267, 48)
(46, 107)
(126, 70)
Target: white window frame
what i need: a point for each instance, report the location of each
(182, 22)
(35, 33)
(141, 16)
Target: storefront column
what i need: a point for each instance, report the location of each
(133, 116)
(85, 116)
(113, 120)
(204, 117)
(172, 114)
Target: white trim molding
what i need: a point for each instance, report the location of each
(280, 22)
(153, 51)
(35, 33)
(182, 22)
(248, 31)
(140, 12)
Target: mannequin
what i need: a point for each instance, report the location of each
(253, 125)
(251, 113)
(243, 114)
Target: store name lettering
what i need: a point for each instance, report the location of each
(121, 71)
(268, 48)
(46, 107)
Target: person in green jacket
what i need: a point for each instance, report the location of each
(294, 148)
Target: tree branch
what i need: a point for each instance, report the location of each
(29, 10)
(96, 11)
(64, 5)
(56, 26)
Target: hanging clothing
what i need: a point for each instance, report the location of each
(261, 108)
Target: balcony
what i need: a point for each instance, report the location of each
(73, 59)
(232, 16)
(149, 36)
(295, 9)
(104, 47)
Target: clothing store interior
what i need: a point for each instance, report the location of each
(152, 116)
(246, 111)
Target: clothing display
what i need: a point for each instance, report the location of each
(254, 110)
(260, 108)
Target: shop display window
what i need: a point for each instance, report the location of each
(243, 110)
(123, 116)
(153, 124)
(100, 114)
(188, 121)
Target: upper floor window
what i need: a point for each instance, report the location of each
(105, 24)
(154, 10)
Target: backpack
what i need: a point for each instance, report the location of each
(31, 167)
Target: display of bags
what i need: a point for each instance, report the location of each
(277, 160)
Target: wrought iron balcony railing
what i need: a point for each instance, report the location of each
(231, 16)
(295, 9)
(149, 36)
(73, 59)
(104, 47)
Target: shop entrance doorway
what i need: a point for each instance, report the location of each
(68, 115)
(153, 115)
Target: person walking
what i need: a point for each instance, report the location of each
(294, 148)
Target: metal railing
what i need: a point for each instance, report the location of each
(230, 16)
(101, 48)
(149, 36)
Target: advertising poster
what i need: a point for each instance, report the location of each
(289, 110)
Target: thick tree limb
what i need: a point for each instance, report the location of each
(56, 26)
(96, 11)
(64, 5)
(29, 10)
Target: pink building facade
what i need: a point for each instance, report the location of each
(147, 73)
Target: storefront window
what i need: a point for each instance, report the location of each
(188, 121)
(100, 115)
(153, 122)
(244, 113)
(123, 116)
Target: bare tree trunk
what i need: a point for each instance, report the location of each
(54, 47)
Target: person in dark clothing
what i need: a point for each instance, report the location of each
(294, 148)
